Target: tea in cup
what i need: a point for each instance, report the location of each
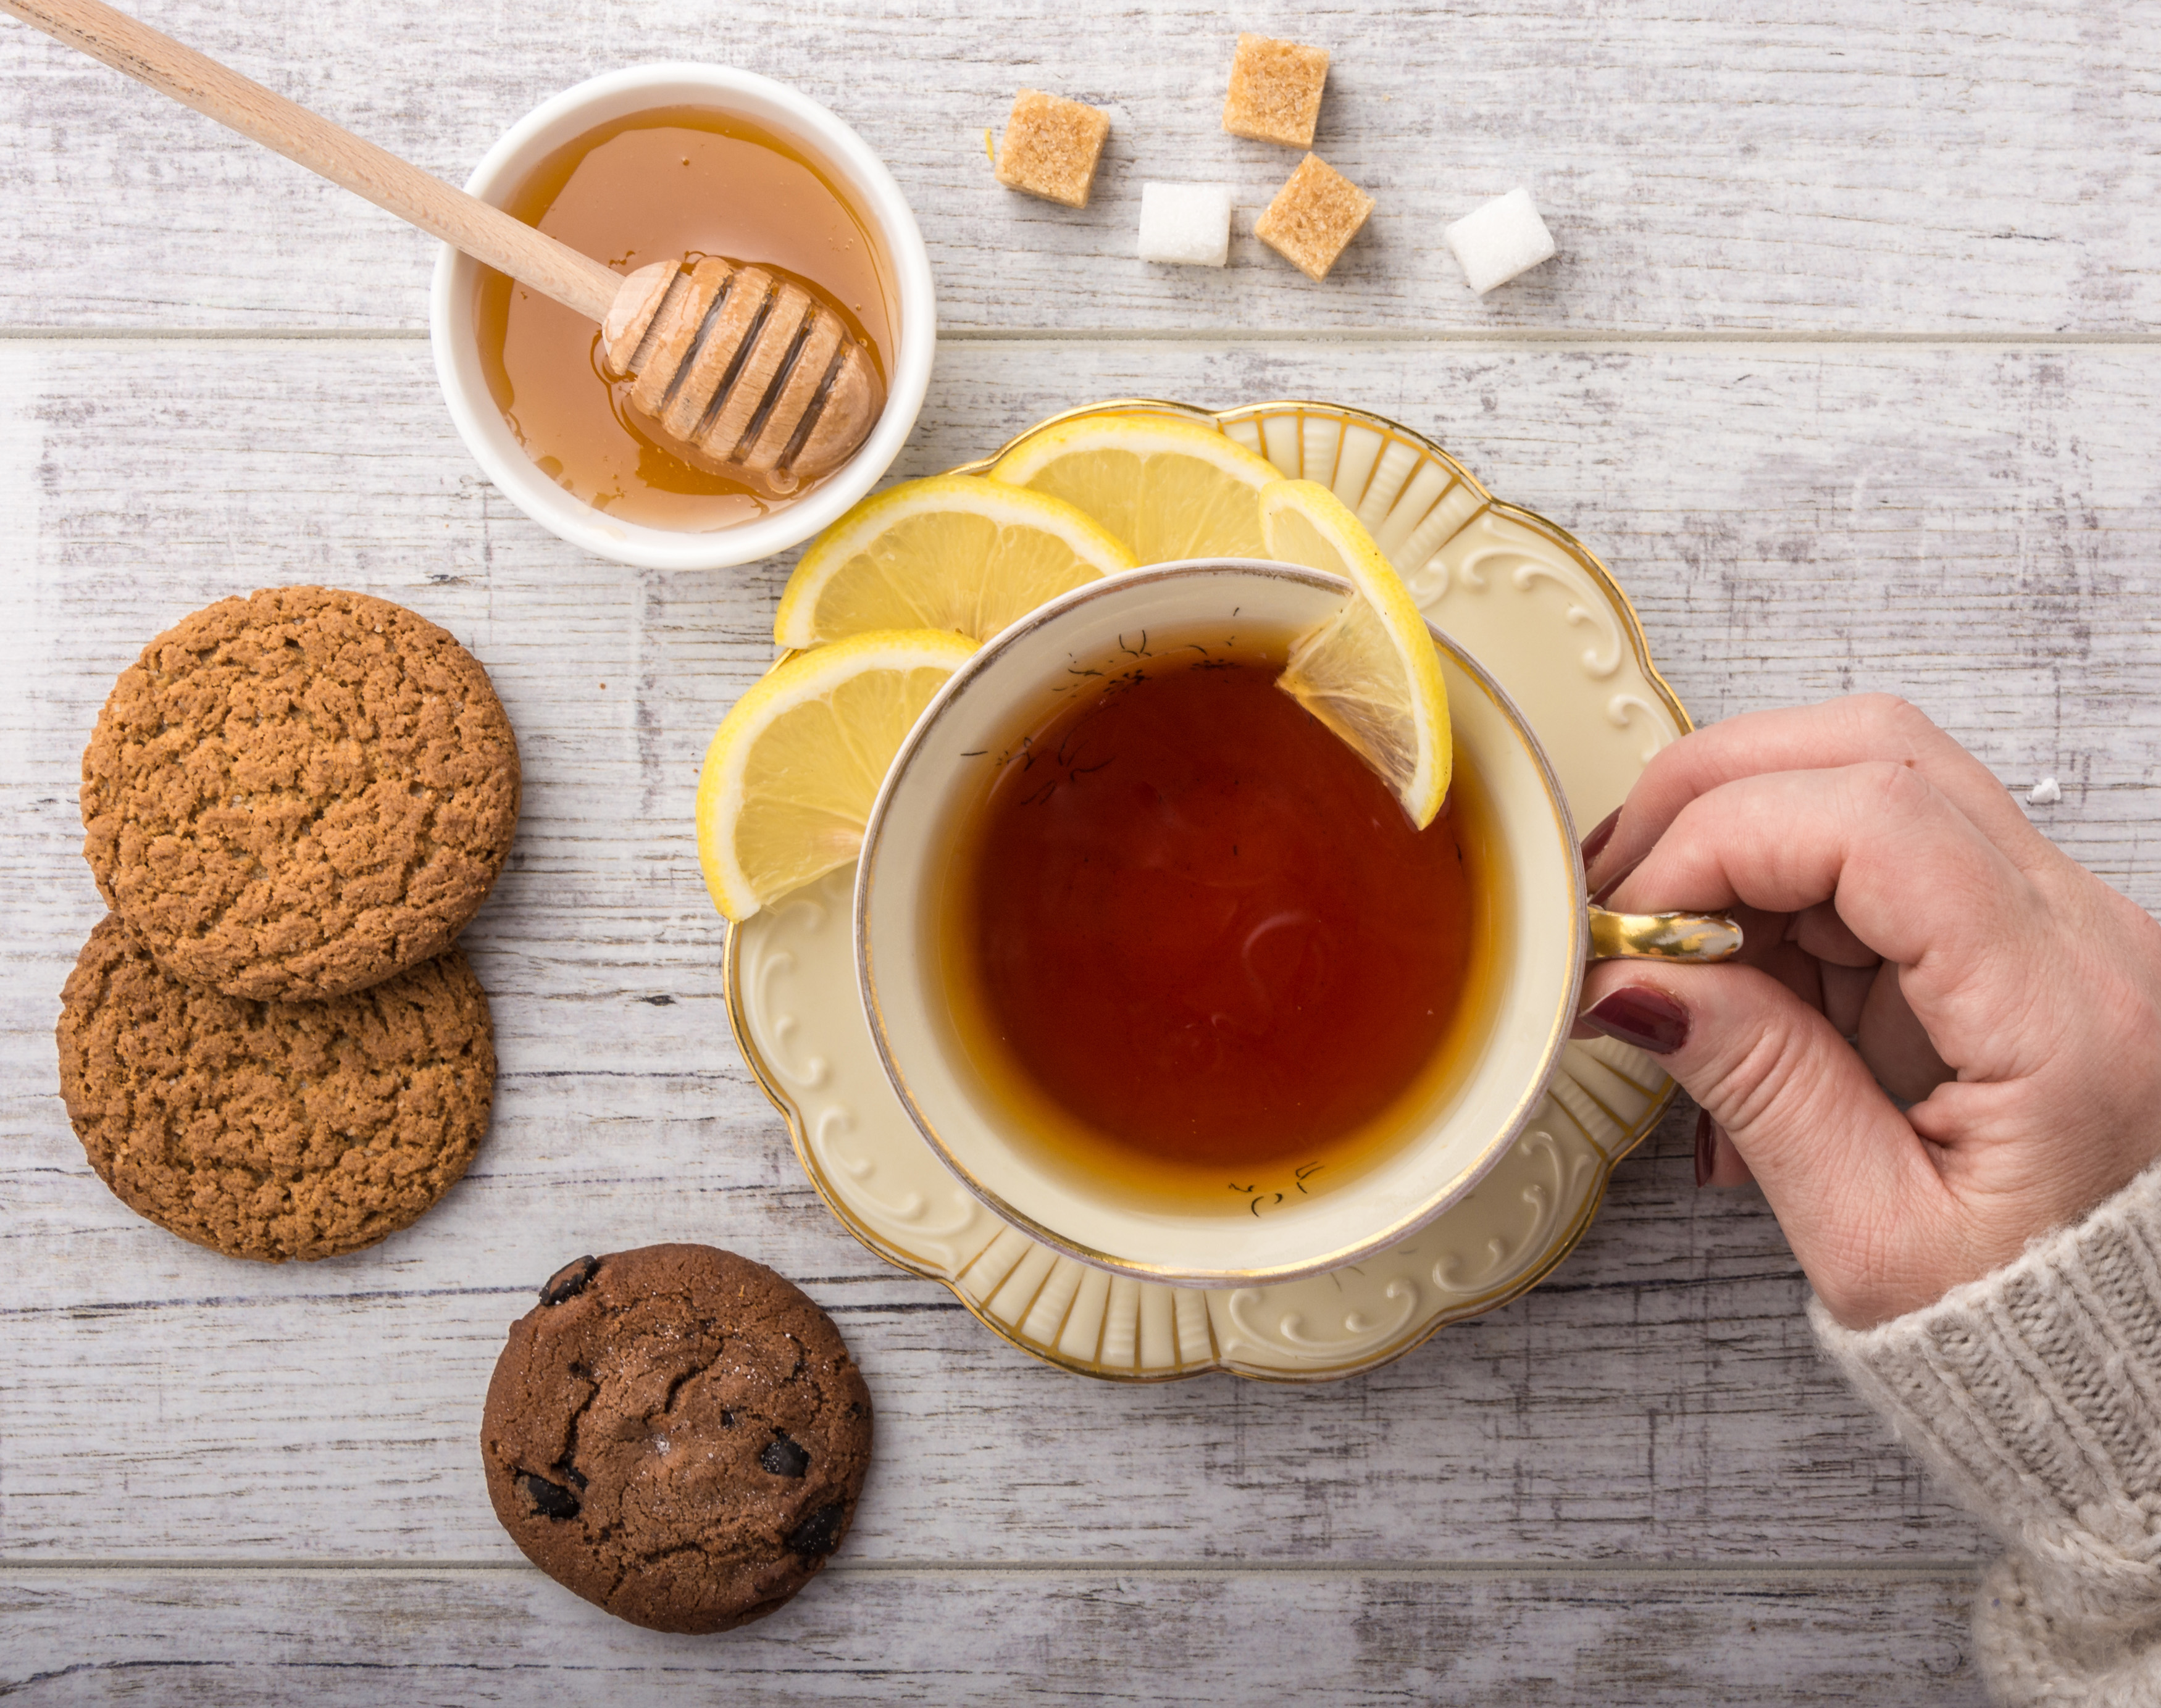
(1164, 972)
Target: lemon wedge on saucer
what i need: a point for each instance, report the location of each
(794, 767)
(1166, 488)
(955, 551)
(1370, 673)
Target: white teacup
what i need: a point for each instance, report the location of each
(1541, 935)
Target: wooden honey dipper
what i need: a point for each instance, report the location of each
(747, 372)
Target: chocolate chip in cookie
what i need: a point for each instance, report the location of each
(677, 1434)
(569, 1280)
(300, 794)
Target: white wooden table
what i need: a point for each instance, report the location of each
(1848, 366)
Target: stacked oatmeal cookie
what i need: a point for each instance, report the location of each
(293, 803)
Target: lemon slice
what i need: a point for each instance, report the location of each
(794, 767)
(1370, 673)
(1167, 489)
(955, 551)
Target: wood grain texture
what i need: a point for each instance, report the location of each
(1967, 165)
(334, 1416)
(580, 282)
(1978, 528)
(1363, 1639)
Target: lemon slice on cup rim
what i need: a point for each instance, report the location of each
(1164, 487)
(1372, 672)
(953, 552)
(793, 770)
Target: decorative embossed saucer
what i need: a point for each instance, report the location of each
(1545, 617)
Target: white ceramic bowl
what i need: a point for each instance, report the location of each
(817, 133)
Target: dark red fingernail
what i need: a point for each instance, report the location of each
(1706, 1146)
(1648, 1018)
(1601, 833)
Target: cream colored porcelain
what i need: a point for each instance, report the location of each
(1544, 615)
(1276, 1222)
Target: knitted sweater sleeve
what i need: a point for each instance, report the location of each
(2035, 1394)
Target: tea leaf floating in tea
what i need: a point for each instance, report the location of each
(1371, 674)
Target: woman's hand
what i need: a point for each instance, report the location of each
(1894, 896)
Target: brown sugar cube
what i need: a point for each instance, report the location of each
(1051, 146)
(1275, 90)
(1313, 215)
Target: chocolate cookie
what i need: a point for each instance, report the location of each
(273, 1130)
(677, 1434)
(298, 794)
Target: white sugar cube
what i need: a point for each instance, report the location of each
(1499, 241)
(2046, 792)
(1187, 224)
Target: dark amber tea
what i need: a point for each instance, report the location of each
(1189, 921)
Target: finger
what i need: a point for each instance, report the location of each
(1822, 933)
(1895, 1043)
(1717, 1163)
(1838, 732)
(1764, 942)
(1762, 933)
(1728, 1166)
(1845, 994)
(1800, 972)
(1850, 1182)
(1911, 877)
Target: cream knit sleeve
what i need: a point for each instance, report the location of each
(2035, 1393)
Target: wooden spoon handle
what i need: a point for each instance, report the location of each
(487, 234)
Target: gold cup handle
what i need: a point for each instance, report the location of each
(1663, 936)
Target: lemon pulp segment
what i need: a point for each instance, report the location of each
(1370, 672)
(1166, 489)
(792, 772)
(955, 551)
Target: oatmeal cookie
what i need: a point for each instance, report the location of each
(299, 794)
(273, 1130)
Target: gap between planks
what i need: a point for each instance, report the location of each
(92, 1309)
(1537, 336)
(1926, 1570)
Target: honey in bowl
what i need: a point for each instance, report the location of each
(1195, 946)
(676, 184)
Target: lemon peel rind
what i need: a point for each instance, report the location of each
(1001, 502)
(1067, 459)
(793, 681)
(1136, 431)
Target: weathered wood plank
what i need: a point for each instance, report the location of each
(1681, 1418)
(1976, 527)
(1363, 1639)
(1960, 165)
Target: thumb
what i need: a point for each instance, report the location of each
(1850, 1182)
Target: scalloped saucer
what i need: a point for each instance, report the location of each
(1546, 617)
